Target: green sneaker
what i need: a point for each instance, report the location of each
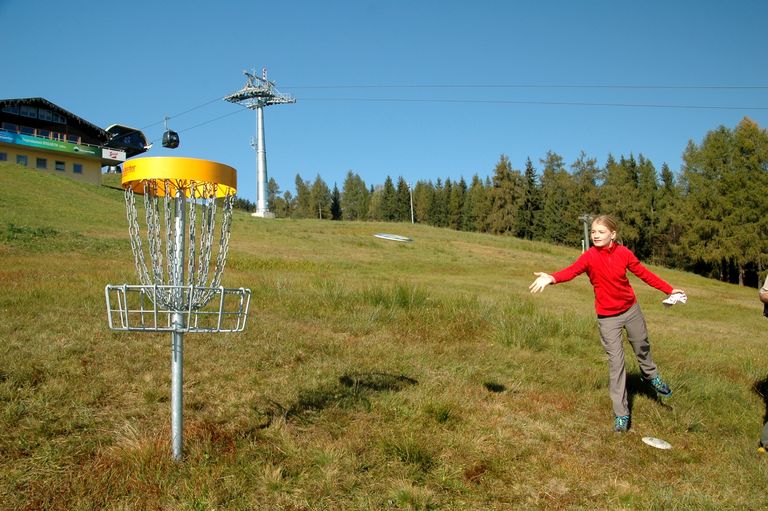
(660, 386)
(621, 423)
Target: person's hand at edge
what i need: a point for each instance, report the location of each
(542, 281)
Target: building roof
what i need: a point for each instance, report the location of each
(130, 140)
(97, 132)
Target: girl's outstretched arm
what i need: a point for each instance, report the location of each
(542, 281)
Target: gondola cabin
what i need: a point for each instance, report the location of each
(170, 139)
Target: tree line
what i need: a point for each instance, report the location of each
(711, 218)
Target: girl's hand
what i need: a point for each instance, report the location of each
(677, 291)
(542, 281)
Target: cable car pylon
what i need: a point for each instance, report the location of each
(258, 93)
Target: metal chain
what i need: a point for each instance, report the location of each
(156, 236)
(153, 231)
(226, 226)
(192, 238)
(199, 233)
(206, 238)
(134, 233)
(168, 233)
(206, 244)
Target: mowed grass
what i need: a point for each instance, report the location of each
(372, 375)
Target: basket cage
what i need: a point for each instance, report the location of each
(138, 308)
(180, 251)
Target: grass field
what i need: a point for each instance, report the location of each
(371, 375)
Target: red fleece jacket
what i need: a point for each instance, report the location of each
(607, 270)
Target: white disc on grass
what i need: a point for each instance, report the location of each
(392, 237)
(657, 442)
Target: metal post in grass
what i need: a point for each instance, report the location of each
(586, 219)
(179, 251)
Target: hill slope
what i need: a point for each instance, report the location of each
(371, 375)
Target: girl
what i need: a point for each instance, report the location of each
(606, 263)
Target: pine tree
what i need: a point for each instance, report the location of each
(584, 199)
(666, 236)
(456, 205)
(748, 222)
(335, 203)
(647, 214)
(506, 198)
(284, 205)
(402, 201)
(423, 198)
(374, 204)
(354, 198)
(303, 199)
(552, 223)
(618, 196)
(388, 205)
(320, 199)
(723, 180)
(477, 206)
(530, 203)
(438, 213)
(273, 191)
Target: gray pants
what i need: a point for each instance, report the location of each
(611, 337)
(764, 436)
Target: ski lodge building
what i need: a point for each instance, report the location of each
(37, 134)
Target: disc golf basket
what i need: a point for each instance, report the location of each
(180, 252)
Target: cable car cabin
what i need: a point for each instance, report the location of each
(127, 139)
(170, 139)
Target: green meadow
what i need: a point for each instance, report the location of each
(372, 375)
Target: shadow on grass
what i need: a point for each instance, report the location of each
(639, 386)
(492, 386)
(352, 390)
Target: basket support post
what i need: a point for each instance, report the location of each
(177, 337)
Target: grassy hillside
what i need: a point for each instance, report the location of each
(372, 375)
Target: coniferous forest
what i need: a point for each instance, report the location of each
(710, 218)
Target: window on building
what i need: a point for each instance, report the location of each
(77, 168)
(11, 109)
(42, 163)
(73, 139)
(58, 136)
(26, 130)
(3, 156)
(59, 165)
(28, 111)
(44, 114)
(58, 118)
(44, 133)
(9, 126)
(21, 159)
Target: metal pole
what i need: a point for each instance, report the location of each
(177, 397)
(261, 162)
(177, 337)
(410, 189)
(585, 242)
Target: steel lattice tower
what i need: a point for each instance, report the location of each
(258, 93)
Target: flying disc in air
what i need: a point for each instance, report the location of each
(657, 442)
(392, 237)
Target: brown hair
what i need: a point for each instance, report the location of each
(608, 221)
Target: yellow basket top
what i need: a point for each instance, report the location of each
(190, 175)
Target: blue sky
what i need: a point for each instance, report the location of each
(419, 89)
